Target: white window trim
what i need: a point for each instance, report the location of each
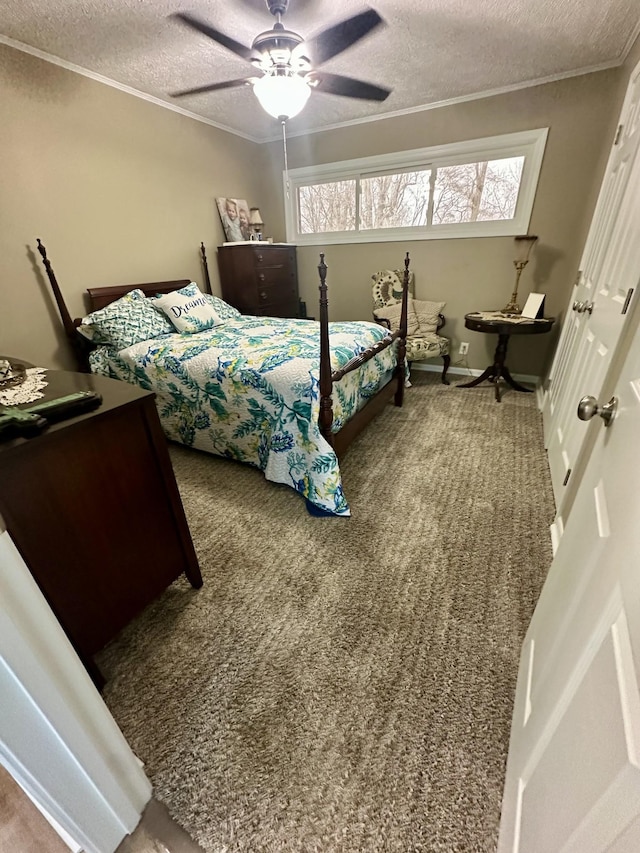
(530, 143)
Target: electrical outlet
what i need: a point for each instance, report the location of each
(464, 348)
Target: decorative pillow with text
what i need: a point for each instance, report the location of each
(188, 309)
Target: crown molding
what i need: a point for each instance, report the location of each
(128, 90)
(635, 34)
(476, 96)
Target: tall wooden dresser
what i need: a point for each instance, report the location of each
(260, 278)
(93, 507)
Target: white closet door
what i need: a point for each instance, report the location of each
(609, 276)
(573, 771)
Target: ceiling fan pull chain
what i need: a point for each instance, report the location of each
(286, 164)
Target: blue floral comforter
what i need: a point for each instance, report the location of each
(249, 390)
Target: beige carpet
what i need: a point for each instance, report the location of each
(347, 684)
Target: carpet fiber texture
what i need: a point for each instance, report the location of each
(347, 684)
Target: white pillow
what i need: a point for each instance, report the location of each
(427, 314)
(392, 314)
(422, 317)
(188, 309)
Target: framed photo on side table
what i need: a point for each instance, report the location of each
(234, 213)
(534, 306)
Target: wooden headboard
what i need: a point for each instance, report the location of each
(98, 297)
(101, 296)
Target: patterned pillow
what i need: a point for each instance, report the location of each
(188, 309)
(222, 308)
(125, 322)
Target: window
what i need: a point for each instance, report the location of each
(328, 206)
(484, 187)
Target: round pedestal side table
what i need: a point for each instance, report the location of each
(503, 327)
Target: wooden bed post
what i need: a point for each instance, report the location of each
(205, 265)
(326, 404)
(68, 324)
(402, 340)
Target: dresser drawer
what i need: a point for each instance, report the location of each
(272, 257)
(270, 277)
(274, 292)
(279, 309)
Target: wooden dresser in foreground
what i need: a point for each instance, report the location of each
(93, 506)
(260, 278)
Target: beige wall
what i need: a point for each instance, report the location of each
(121, 190)
(472, 274)
(118, 189)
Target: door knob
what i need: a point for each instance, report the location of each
(589, 406)
(588, 307)
(577, 306)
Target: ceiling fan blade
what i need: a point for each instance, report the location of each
(212, 87)
(336, 84)
(226, 41)
(339, 37)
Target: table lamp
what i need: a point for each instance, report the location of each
(524, 244)
(256, 223)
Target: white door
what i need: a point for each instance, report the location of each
(610, 272)
(57, 737)
(573, 771)
(563, 362)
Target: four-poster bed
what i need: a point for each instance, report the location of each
(287, 396)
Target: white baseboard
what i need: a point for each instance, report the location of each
(472, 371)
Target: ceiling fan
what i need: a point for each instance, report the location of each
(287, 63)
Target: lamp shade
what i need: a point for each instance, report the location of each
(282, 96)
(255, 218)
(524, 245)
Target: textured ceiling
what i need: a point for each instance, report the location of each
(429, 51)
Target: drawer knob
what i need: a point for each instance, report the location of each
(261, 276)
(260, 256)
(263, 295)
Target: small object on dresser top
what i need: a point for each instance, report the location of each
(22, 385)
(11, 374)
(501, 316)
(33, 420)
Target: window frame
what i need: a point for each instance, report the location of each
(529, 143)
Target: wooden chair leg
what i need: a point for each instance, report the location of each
(446, 359)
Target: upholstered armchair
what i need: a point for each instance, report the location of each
(424, 319)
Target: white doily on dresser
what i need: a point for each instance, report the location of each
(28, 391)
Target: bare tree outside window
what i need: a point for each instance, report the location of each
(394, 201)
(327, 207)
(480, 191)
(475, 192)
(501, 188)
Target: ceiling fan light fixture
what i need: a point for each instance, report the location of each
(282, 95)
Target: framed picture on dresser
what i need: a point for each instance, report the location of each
(234, 214)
